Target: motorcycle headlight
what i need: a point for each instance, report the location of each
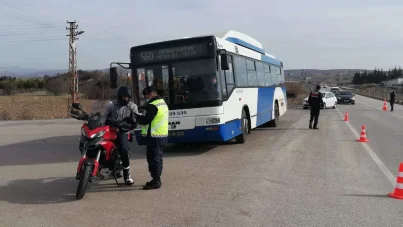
(83, 132)
(99, 134)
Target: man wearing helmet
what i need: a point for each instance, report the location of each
(315, 100)
(120, 109)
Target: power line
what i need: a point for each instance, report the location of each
(26, 8)
(31, 40)
(29, 26)
(25, 34)
(29, 8)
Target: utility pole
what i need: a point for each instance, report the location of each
(73, 78)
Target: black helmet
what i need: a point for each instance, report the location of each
(148, 90)
(318, 87)
(124, 91)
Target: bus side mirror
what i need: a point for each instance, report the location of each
(113, 76)
(224, 62)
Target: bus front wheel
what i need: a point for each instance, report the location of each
(244, 128)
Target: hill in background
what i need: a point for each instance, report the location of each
(29, 72)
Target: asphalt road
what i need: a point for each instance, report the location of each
(287, 176)
(384, 128)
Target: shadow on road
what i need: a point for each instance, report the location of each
(63, 149)
(372, 110)
(54, 190)
(352, 140)
(373, 196)
(39, 191)
(280, 129)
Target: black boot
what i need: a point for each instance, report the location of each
(315, 127)
(126, 176)
(153, 184)
(310, 125)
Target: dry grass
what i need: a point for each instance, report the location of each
(297, 100)
(296, 93)
(35, 107)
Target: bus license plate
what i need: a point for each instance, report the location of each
(176, 133)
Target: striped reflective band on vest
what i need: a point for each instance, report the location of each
(314, 94)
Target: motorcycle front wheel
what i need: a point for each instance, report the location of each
(84, 179)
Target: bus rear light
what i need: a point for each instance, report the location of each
(213, 128)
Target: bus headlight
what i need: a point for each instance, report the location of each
(213, 120)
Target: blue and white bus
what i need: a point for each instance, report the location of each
(217, 88)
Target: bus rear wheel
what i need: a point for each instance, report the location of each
(274, 123)
(244, 128)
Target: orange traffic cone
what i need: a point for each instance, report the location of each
(346, 116)
(385, 107)
(363, 136)
(398, 193)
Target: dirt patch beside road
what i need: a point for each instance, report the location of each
(36, 107)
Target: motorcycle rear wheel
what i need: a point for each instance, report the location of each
(83, 183)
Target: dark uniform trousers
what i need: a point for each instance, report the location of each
(124, 149)
(314, 116)
(154, 159)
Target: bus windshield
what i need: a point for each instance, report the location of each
(194, 83)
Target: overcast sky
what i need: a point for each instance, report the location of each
(319, 34)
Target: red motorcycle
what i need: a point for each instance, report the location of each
(99, 144)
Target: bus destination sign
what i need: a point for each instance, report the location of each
(169, 54)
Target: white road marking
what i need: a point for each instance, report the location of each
(368, 105)
(378, 108)
(377, 160)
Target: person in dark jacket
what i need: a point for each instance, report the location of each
(154, 133)
(392, 96)
(315, 100)
(118, 110)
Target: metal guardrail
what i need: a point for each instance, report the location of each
(375, 96)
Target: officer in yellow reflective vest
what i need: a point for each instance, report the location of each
(154, 133)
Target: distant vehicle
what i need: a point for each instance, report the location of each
(335, 92)
(345, 97)
(217, 88)
(325, 86)
(329, 100)
(333, 89)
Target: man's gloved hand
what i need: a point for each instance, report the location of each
(142, 112)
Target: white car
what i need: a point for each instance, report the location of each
(333, 89)
(329, 100)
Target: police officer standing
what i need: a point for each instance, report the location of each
(315, 100)
(154, 133)
(392, 96)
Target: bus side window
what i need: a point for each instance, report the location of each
(141, 76)
(240, 71)
(229, 79)
(251, 72)
(282, 78)
(260, 74)
(267, 75)
(274, 76)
